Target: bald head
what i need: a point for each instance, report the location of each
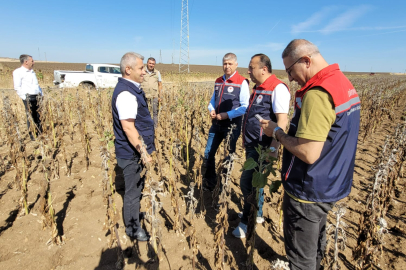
(300, 47)
(302, 60)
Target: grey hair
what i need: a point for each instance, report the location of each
(24, 57)
(230, 56)
(128, 60)
(298, 48)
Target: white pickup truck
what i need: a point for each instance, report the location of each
(95, 76)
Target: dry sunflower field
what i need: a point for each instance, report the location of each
(61, 195)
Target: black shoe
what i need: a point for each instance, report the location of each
(140, 236)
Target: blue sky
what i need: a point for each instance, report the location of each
(358, 35)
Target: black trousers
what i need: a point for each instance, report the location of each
(134, 185)
(304, 229)
(32, 102)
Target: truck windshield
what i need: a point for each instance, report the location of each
(89, 68)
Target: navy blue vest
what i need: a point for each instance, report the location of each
(143, 122)
(260, 103)
(227, 97)
(329, 179)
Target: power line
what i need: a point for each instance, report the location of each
(184, 38)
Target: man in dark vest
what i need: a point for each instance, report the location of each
(227, 106)
(131, 122)
(319, 150)
(270, 99)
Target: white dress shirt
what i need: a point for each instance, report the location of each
(126, 104)
(26, 82)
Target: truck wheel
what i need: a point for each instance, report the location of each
(87, 86)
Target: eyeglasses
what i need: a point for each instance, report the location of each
(288, 69)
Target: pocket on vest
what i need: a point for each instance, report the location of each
(148, 136)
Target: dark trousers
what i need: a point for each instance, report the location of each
(33, 103)
(304, 229)
(134, 185)
(154, 104)
(216, 135)
(247, 189)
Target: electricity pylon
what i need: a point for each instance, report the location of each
(184, 38)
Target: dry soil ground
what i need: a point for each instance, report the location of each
(80, 216)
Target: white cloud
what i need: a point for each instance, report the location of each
(345, 20)
(377, 28)
(314, 20)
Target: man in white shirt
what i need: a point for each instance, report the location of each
(28, 89)
(131, 122)
(270, 99)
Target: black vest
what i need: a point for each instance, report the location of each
(260, 103)
(227, 97)
(143, 122)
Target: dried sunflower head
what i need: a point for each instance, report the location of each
(154, 185)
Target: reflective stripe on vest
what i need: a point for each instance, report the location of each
(328, 179)
(227, 97)
(260, 103)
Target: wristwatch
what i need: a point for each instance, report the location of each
(273, 149)
(274, 133)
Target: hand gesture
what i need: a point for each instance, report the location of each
(146, 159)
(268, 126)
(222, 116)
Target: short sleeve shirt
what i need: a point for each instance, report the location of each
(126, 104)
(280, 99)
(317, 115)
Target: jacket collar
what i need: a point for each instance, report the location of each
(320, 75)
(130, 84)
(229, 78)
(266, 84)
(150, 72)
